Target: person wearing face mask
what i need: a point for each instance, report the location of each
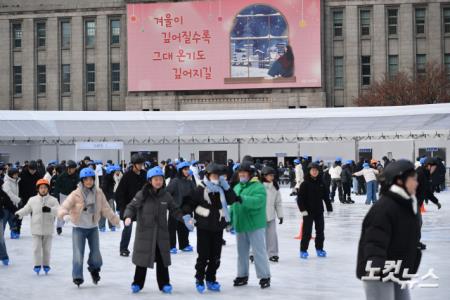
(43, 209)
(210, 202)
(149, 209)
(248, 218)
(391, 232)
(84, 207)
(181, 189)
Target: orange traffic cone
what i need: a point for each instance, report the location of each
(422, 209)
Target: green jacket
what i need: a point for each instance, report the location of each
(249, 215)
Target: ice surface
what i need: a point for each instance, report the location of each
(292, 278)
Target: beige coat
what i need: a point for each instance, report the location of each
(74, 205)
(41, 223)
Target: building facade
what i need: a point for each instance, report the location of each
(72, 55)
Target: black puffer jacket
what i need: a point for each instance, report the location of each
(130, 184)
(390, 231)
(425, 187)
(346, 174)
(108, 185)
(27, 185)
(6, 203)
(181, 189)
(312, 193)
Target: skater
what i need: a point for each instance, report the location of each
(298, 176)
(27, 188)
(65, 184)
(310, 197)
(181, 189)
(109, 185)
(6, 207)
(85, 206)
(391, 232)
(346, 178)
(151, 244)
(131, 182)
(336, 182)
(248, 217)
(210, 203)
(43, 209)
(370, 177)
(273, 209)
(11, 188)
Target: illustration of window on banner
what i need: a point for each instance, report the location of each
(220, 44)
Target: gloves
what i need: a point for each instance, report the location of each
(281, 221)
(127, 222)
(46, 209)
(188, 222)
(304, 213)
(439, 205)
(224, 183)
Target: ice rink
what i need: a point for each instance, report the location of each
(292, 278)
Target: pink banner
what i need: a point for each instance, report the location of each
(218, 44)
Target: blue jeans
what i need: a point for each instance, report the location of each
(3, 253)
(8, 217)
(355, 185)
(371, 192)
(257, 241)
(79, 237)
(126, 237)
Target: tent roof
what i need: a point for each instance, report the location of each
(349, 122)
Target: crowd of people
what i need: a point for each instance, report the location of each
(167, 200)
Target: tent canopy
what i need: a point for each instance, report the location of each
(314, 122)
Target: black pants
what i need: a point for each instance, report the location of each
(177, 227)
(347, 188)
(126, 237)
(307, 231)
(209, 249)
(336, 184)
(162, 272)
(361, 185)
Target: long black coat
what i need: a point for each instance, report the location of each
(311, 195)
(425, 187)
(390, 231)
(27, 185)
(129, 185)
(149, 209)
(108, 186)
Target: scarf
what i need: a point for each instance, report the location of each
(215, 188)
(89, 197)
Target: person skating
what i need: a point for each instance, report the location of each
(248, 218)
(336, 182)
(110, 181)
(43, 209)
(65, 184)
(310, 200)
(370, 177)
(151, 245)
(11, 188)
(27, 187)
(210, 202)
(85, 206)
(274, 209)
(181, 189)
(131, 182)
(391, 232)
(346, 178)
(6, 207)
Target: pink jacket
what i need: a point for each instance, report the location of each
(74, 205)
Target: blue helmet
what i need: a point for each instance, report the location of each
(156, 171)
(305, 156)
(91, 163)
(87, 172)
(297, 161)
(423, 160)
(338, 159)
(236, 166)
(98, 162)
(349, 162)
(109, 169)
(366, 166)
(194, 162)
(52, 162)
(183, 165)
(190, 172)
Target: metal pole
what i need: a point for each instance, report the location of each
(356, 150)
(239, 149)
(414, 151)
(179, 151)
(57, 151)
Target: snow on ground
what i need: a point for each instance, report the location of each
(292, 278)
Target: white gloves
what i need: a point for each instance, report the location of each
(304, 213)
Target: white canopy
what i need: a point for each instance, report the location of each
(313, 122)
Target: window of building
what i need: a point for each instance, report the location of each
(446, 19)
(364, 19)
(447, 65)
(338, 23)
(40, 34)
(392, 65)
(115, 77)
(339, 72)
(66, 34)
(41, 79)
(65, 78)
(17, 35)
(17, 80)
(392, 21)
(365, 70)
(421, 62)
(420, 20)
(90, 78)
(90, 33)
(115, 32)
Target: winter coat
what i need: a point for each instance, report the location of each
(74, 205)
(368, 173)
(181, 189)
(346, 175)
(11, 188)
(390, 232)
(249, 215)
(170, 171)
(27, 185)
(424, 189)
(41, 223)
(311, 195)
(149, 209)
(108, 186)
(335, 172)
(6, 203)
(298, 175)
(209, 215)
(65, 183)
(130, 184)
(273, 202)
